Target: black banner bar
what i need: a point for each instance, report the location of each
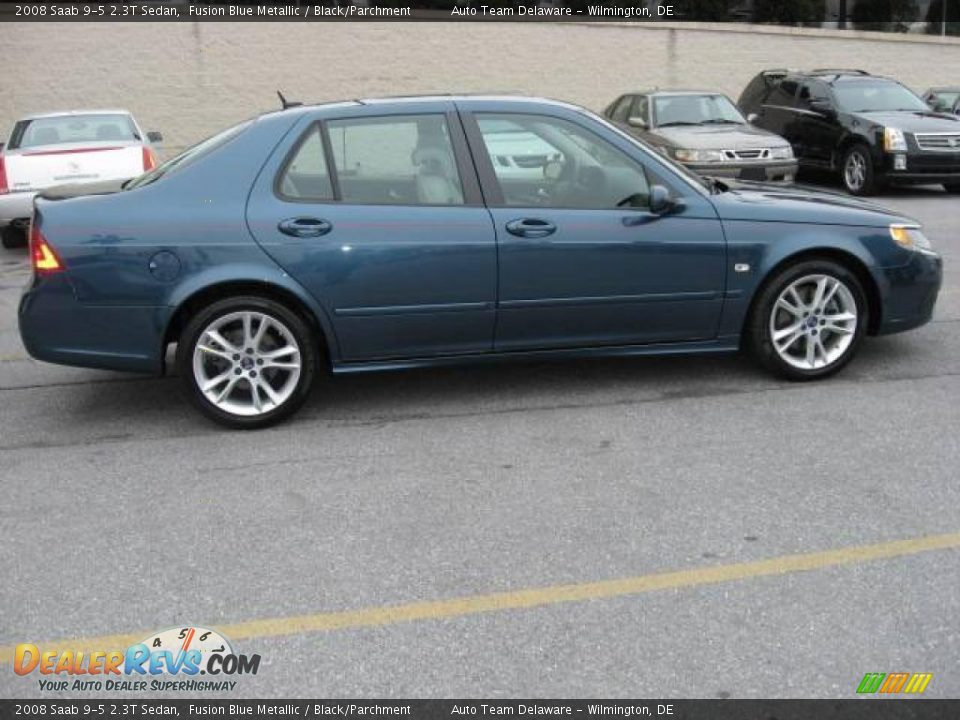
(855, 709)
(934, 18)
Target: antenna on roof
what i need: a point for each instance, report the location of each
(287, 103)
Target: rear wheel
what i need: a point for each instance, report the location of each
(247, 362)
(809, 320)
(13, 237)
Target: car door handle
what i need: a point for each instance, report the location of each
(304, 227)
(531, 228)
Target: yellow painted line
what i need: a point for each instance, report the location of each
(530, 597)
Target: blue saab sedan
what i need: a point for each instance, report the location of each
(383, 234)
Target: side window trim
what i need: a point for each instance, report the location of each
(472, 191)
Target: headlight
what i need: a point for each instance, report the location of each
(781, 153)
(894, 140)
(910, 237)
(684, 155)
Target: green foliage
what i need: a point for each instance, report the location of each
(889, 15)
(718, 10)
(789, 12)
(935, 18)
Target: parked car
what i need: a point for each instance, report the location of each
(705, 132)
(871, 130)
(943, 99)
(67, 147)
(378, 235)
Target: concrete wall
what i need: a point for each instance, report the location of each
(191, 79)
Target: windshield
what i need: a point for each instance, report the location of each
(64, 129)
(188, 156)
(859, 96)
(694, 110)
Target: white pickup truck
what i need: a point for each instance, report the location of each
(66, 148)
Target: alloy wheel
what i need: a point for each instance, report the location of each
(813, 322)
(855, 171)
(247, 363)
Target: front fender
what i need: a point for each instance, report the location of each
(757, 250)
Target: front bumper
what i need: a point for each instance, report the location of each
(782, 170)
(910, 293)
(919, 167)
(56, 328)
(16, 206)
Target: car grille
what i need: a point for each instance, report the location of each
(939, 141)
(754, 154)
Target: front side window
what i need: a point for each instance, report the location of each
(400, 160)
(68, 129)
(548, 162)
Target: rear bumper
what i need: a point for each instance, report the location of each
(16, 206)
(56, 328)
(785, 170)
(911, 293)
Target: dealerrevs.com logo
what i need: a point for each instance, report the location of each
(179, 659)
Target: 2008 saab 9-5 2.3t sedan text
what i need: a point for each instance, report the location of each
(382, 234)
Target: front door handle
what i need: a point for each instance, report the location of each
(531, 228)
(304, 227)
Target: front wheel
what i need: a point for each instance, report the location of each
(858, 173)
(809, 320)
(247, 362)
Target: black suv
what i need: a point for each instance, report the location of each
(872, 130)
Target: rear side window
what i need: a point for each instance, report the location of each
(71, 129)
(306, 176)
(398, 160)
(189, 156)
(622, 111)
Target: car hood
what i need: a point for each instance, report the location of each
(777, 203)
(910, 121)
(716, 137)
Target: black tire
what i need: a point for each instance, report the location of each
(306, 340)
(758, 335)
(870, 183)
(952, 189)
(13, 237)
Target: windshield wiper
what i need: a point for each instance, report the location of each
(721, 121)
(676, 122)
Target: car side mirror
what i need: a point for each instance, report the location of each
(636, 121)
(822, 107)
(661, 202)
(154, 136)
(752, 118)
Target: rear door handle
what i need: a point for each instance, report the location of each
(531, 228)
(304, 227)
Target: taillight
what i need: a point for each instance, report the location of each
(149, 159)
(42, 255)
(3, 177)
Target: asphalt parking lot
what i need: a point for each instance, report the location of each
(592, 528)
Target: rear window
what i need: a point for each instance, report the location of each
(72, 129)
(188, 156)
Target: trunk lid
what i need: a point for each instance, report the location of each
(40, 167)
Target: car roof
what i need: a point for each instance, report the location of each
(666, 92)
(395, 100)
(71, 113)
